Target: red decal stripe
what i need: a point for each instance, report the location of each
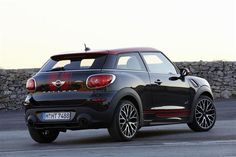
(52, 77)
(169, 112)
(66, 76)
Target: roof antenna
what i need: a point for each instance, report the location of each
(86, 48)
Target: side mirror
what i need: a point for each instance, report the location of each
(184, 72)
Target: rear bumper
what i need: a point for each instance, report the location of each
(91, 110)
(82, 118)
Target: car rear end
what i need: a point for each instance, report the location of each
(70, 92)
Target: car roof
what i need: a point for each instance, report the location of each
(138, 49)
(111, 51)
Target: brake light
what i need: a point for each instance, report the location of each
(99, 80)
(31, 85)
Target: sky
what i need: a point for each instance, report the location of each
(185, 30)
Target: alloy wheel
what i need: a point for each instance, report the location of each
(128, 120)
(205, 113)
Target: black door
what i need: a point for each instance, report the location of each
(171, 96)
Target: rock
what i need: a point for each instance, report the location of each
(13, 96)
(234, 92)
(192, 69)
(226, 94)
(216, 95)
(7, 92)
(220, 73)
(12, 88)
(2, 106)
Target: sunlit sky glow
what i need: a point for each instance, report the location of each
(185, 30)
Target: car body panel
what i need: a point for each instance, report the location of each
(169, 102)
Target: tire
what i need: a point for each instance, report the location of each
(204, 114)
(43, 136)
(125, 122)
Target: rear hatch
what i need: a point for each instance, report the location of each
(62, 80)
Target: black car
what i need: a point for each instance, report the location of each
(121, 89)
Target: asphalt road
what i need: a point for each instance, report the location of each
(172, 140)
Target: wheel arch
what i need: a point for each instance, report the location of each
(207, 93)
(203, 90)
(130, 95)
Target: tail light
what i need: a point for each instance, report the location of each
(100, 80)
(31, 85)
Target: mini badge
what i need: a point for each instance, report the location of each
(58, 83)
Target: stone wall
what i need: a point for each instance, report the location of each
(12, 87)
(221, 75)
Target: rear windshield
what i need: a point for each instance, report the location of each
(74, 62)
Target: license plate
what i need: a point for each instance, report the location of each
(53, 116)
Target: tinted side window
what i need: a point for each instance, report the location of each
(130, 61)
(158, 63)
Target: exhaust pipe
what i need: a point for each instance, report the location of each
(31, 120)
(84, 120)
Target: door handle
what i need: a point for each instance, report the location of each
(158, 82)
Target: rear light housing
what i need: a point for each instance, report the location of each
(100, 80)
(31, 85)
